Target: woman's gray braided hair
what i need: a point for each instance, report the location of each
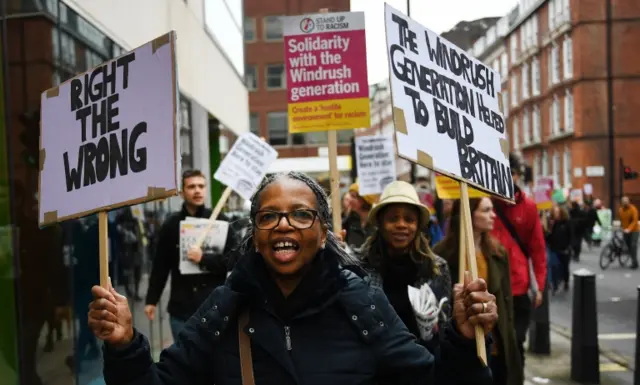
(323, 208)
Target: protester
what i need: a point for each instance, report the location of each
(578, 219)
(397, 255)
(493, 267)
(347, 200)
(296, 313)
(591, 219)
(629, 223)
(188, 292)
(355, 224)
(517, 227)
(560, 240)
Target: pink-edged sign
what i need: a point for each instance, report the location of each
(326, 66)
(542, 193)
(108, 137)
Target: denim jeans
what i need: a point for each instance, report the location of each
(176, 326)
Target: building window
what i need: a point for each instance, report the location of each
(186, 134)
(545, 163)
(567, 56)
(496, 66)
(64, 49)
(554, 65)
(526, 129)
(535, 76)
(536, 166)
(568, 111)
(566, 166)
(525, 81)
(317, 138)
(515, 133)
(536, 124)
(278, 127)
(275, 77)
(344, 136)
(514, 91)
(254, 123)
(534, 30)
(273, 28)
(551, 11)
(555, 116)
(505, 103)
(559, 13)
(251, 77)
(92, 59)
(514, 49)
(504, 66)
(555, 168)
(249, 29)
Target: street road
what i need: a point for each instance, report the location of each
(617, 303)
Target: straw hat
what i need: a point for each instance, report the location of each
(399, 192)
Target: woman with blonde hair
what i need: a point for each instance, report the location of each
(397, 256)
(493, 267)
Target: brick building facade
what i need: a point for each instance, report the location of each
(553, 57)
(266, 80)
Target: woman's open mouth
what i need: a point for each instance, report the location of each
(285, 251)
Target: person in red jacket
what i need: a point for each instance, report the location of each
(526, 249)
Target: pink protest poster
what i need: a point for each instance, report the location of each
(326, 64)
(108, 137)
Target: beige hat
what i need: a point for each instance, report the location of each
(399, 192)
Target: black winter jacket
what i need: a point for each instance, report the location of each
(343, 332)
(188, 292)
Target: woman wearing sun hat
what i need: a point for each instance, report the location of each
(397, 255)
(356, 229)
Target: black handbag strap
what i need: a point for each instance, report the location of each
(511, 229)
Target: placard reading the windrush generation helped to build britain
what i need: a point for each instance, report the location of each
(445, 107)
(108, 137)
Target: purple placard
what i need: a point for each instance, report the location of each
(143, 120)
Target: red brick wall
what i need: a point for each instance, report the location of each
(589, 144)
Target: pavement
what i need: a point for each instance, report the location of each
(555, 369)
(617, 306)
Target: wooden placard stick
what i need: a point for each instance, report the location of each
(470, 251)
(214, 215)
(336, 205)
(103, 240)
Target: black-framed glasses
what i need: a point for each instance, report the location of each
(299, 219)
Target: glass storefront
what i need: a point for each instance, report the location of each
(46, 274)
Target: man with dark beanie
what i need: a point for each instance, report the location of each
(517, 227)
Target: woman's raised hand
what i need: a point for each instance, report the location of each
(474, 305)
(110, 316)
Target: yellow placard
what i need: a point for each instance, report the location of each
(448, 188)
(547, 205)
(341, 114)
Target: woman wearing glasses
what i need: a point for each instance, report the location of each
(292, 312)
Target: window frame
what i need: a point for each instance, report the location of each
(250, 21)
(266, 29)
(283, 77)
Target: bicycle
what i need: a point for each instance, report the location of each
(615, 249)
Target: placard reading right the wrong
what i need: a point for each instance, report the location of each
(445, 107)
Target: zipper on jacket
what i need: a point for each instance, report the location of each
(287, 337)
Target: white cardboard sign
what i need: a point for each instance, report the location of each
(190, 231)
(375, 158)
(244, 167)
(108, 137)
(446, 107)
